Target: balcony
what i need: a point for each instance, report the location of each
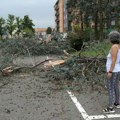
(56, 20)
(57, 14)
(56, 7)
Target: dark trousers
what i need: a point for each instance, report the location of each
(113, 89)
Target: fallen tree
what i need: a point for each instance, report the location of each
(80, 70)
(11, 69)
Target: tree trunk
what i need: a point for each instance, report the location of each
(81, 17)
(101, 26)
(96, 26)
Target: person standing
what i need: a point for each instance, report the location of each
(113, 70)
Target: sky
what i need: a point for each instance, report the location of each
(40, 11)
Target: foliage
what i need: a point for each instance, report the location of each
(49, 30)
(85, 35)
(75, 40)
(27, 23)
(2, 29)
(95, 48)
(11, 24)
(99, 12)
(19, 26)
(12, 48)
(75, 28)
(16, 26)
(83, 73)
(27, 32)
(83, 69)
(22, 46)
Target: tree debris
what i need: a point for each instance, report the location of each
(8, 70)
(54, 63)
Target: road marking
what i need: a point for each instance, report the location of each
(84, 113)
(104, 116)
(79, 106)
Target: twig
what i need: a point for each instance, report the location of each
(41, 63)
(30, 56)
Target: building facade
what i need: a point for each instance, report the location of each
(66, 17)
(61, 22)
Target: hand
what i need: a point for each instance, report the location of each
(109, 75)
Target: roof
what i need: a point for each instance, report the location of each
(40, 29)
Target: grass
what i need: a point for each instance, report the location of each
(95, 49)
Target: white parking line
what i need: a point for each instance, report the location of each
(84, 113)
(79, 106)
(104, 116)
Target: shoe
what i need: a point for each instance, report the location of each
(108, 110)
(117, 105)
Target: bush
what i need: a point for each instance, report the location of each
(75, 41)
(77, 38)
(49, 30)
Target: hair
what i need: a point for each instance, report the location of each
(114, 37)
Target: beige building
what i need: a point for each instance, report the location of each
(40, 31)
(60, 16)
